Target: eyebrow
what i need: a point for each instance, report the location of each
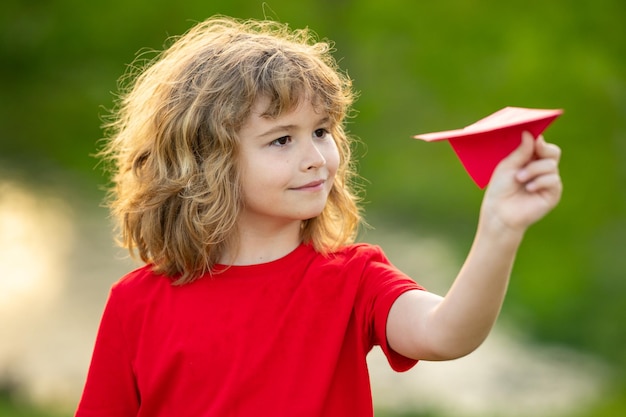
(282, 128)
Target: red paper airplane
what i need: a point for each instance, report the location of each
(482, 145)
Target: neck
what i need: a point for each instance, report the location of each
(256, 246)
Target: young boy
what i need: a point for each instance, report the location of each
(233, 176)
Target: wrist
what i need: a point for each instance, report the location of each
(493, 228)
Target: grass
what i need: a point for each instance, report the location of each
(12, 408)
(613, 406)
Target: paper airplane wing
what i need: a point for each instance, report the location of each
(482, 145)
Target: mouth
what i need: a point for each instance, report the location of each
(311, 186)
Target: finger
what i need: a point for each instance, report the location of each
(524, 152)
(548, 182)
(547, 150)
(536, 168)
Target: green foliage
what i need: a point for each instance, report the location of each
(419, 67)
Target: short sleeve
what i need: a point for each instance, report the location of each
(382, 284)
(110, 389)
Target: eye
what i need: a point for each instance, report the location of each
(320, 133)
(282, 141)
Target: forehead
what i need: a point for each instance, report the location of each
(260, 108)
(267, 109)
(260, 124)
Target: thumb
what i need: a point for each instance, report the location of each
(523, 154)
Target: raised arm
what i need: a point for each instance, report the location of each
(525, 187)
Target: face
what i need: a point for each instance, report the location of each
(287, 164)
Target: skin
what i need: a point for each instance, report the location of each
(293, 160)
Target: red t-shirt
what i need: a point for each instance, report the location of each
(284, 338)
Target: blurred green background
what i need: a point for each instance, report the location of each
(420, 66)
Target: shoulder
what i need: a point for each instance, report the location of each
(140, 281)
(353, 259)
(139, 294)
(373, 266)
(360, 252)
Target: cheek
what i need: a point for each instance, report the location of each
(249, 175)
(262, 173)
(332, 158)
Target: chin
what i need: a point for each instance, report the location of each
(311, 216)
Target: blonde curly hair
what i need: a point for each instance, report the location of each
(172, 145)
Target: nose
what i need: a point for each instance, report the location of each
(313, 156)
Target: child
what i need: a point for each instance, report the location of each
(233, 183)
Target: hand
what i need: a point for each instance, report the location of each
(525, 186)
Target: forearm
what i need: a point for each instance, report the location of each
(525, 186)
(463, 319)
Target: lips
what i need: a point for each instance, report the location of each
(313, 185)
